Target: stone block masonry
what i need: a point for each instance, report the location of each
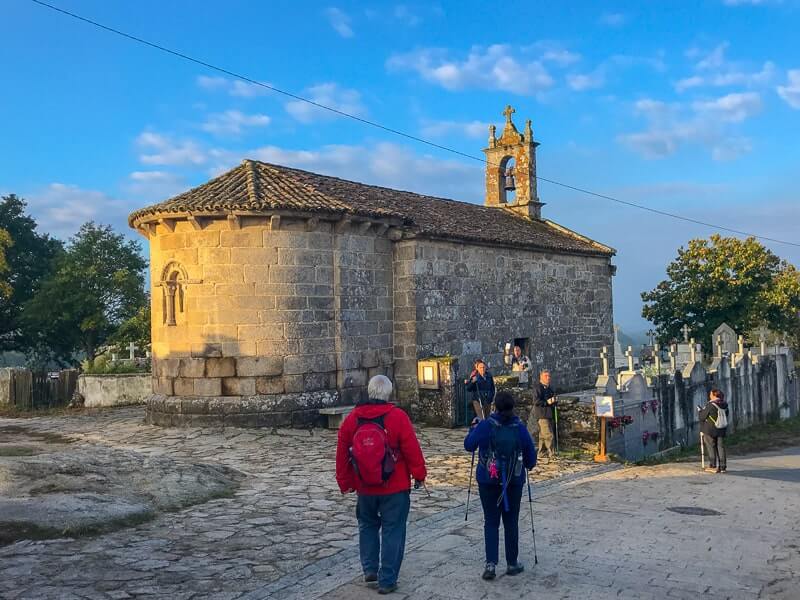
(467, 301)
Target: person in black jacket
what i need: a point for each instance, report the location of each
(481, 383)
(714, 436)
(544, 403)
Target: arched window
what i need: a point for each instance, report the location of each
(173, 282)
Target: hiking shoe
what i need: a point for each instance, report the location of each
(387, 589)
(724, 470)
(515, 569)
(719, 469)
(370, 577)
(488, 572)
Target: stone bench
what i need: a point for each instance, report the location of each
(336, 415)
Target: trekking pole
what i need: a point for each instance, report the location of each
(533, 529)
(469, 489)
(555, 415)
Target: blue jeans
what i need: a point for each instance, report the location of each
(492, 514)
(388, 514)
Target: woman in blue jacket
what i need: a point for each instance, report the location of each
(505, 448)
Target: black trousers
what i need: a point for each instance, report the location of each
(716, 452)
(493, 514)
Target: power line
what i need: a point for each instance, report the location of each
(390, 129)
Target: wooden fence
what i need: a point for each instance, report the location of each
(33, 390)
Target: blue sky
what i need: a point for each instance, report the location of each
(691, 107)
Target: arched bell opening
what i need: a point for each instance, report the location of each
(508, 181)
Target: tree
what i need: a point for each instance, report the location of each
(722, 280)
(5, 243)
(97, 284)
(136, 330)
(30, 258)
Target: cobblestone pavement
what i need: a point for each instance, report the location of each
(287, 515)
(622, 534)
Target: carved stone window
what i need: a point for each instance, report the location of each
(174, 280)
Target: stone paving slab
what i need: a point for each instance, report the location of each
(287, 513)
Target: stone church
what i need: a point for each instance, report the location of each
(276, 291)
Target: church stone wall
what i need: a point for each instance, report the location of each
(468, 301)
(302, 316)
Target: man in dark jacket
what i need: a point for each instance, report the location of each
(544, 405)
(714, 436)
(481, 383)
(381, 508)
(501, 478)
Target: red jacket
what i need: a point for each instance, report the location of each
(410, 462)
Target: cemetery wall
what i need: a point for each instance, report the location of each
(114, 390)
(467, 301)
(758, 390)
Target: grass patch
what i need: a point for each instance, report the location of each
(758, 438)
(16, 451)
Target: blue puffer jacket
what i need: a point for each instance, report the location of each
(480, 438)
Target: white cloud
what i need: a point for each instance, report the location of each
(384, 163)
(613, 19)
(340, 21)
(233, 87)
(233, 122)
(714, 69)
(60, 209)
(159, 149)
(704, 123)
(405, 15)
(586, 81)
(496, 67)
(734, 108)
(327, 94)
(560, 57)
(791, 91)
(471, 129)
(148, 186)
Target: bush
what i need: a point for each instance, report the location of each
(102, 365)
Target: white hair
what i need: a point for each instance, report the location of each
(380, 388)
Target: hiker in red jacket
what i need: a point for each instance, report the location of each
(377, 455)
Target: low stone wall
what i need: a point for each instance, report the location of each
(115, 390)
(275, 410)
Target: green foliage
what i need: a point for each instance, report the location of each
(5, 243)
(96, 285)
(136, 330)
(723, 280)
(102, 365)
(30, 259)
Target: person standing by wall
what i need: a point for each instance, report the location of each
(482, 385)
(714, 425)
(544, 406)
(521, 365)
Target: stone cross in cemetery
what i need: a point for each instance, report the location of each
(673, 358)
(604, 360)
(657, 357)
(685, 331)
(741, 345)
(692, 351)
(762, 338)
(132, 348)
(720, 344)
(629, 354)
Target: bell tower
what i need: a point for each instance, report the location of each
(511, 169)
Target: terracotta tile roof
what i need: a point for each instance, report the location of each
(258, 186)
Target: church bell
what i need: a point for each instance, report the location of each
(509, 184)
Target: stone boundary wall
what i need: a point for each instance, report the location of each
(115, 390)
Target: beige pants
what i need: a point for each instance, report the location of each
(546, 436)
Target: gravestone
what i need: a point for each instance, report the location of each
(725, 339)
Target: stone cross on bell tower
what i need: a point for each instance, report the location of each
(511, 169)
